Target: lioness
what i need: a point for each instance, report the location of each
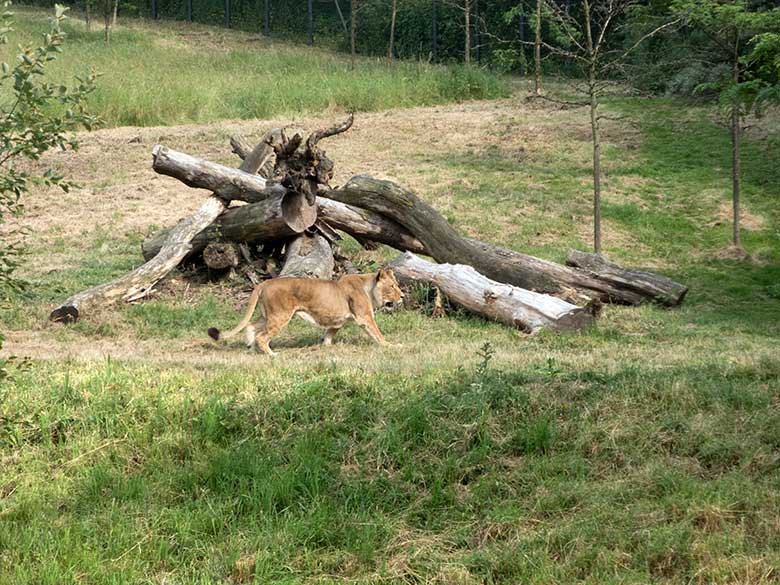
(327, 303)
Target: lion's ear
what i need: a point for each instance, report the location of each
(381, 274)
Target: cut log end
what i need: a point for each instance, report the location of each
(65, 314)
(297, 212)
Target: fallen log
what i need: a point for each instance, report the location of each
(526, 310)
(275, 218)
(447, 246)
(137, 283)
(367, 225)
(308, 256)
(257, 223)
(664, 290)
(227, 183)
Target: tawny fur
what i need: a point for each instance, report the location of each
(326, 303)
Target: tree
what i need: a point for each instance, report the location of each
(392, 29)
(590, 39)
(538, 49)
(38, 116)
(467, 24)
(353, 10)
(729, 26)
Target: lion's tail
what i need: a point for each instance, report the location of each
(215, 333)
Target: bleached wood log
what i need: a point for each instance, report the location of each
(308, 256)
(227, 183)
(367, 225)
(526, 310)
(139, 282)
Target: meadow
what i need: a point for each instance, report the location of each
(645, 450)
(176, 73)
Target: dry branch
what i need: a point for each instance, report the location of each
(507, 304)
(227, 183)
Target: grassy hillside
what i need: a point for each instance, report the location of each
(646, 450)
(172, 73)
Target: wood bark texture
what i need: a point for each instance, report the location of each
(308, 256)
(507, 304)
(367, 225)
(659, 289)
(221, 255)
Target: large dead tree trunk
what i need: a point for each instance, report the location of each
(502, 265)
(139, 282)
(660, 289)
(276, 218)
(513, 306)
(308, 256)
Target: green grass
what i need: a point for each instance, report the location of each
(158, 74)
(646, 450)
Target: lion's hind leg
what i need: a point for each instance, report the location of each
(273, 325)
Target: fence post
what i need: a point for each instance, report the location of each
(189, 10)
(154, 9)
(227, 13)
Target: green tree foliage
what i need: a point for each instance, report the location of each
(727, 28)
(37, 116)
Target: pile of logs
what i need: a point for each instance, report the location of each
(291, 217)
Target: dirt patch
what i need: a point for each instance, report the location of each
(119, 192)
(732, 253)
(747, 220)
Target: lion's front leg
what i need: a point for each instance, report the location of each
(369, 326)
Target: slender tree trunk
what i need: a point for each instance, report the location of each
(310, 21)
(594, 124)
(107, 19)
(477, 38)
(116, 9)
(435, 32)
(87, 19)
(538, 50)
(353, 30)
(467, 48)
(392, 30)
(736, 163)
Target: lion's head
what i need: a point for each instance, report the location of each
(387, 293)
